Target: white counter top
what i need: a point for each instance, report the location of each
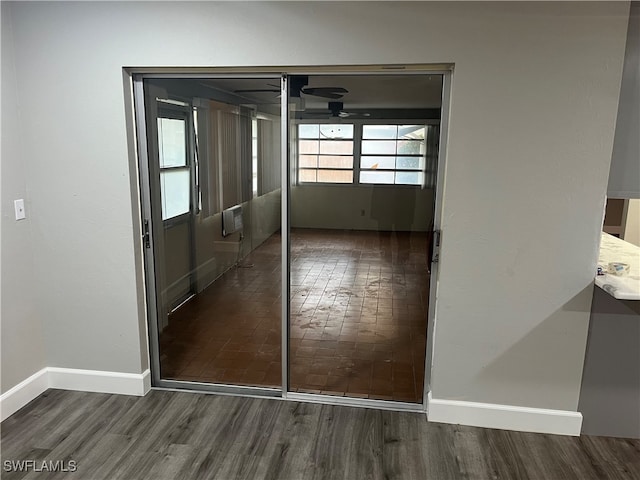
(613, 249)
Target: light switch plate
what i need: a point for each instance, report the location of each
(19, 206)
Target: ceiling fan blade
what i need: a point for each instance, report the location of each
(313, 114)
(325, 90)
(258, 90)
(330, 96)
(333, 93)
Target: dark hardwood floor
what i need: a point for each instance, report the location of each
(359, 302)
(180, 435)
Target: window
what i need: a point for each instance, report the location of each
(393, 154)
(367, 154)
(325, 153)
(175, 169)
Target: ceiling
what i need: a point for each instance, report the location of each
(364, 91)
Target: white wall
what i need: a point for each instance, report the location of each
(215, 254)
(624, 176)
(380, 207)
(532, 115)
(22, 345)
(177, 263)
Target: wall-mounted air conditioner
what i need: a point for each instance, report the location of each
(231, 220)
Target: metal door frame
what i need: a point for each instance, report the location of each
(136, 77)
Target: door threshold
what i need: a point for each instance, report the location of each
(219, 389)
(356, 402)
(276, 394)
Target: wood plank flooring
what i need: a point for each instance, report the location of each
(180, 435)
(359, 302)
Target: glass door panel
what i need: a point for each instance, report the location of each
(214, 149)
(362, 188)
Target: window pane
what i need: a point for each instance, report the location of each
(329, 161)
(174, 190)
(309, 161)
(409, 178)
(410, 163)
(381, 147)
(336, 131)
(376, 177)
(306, 175)
(172, 142)
(308, 146)
(332, 147)
(411, 131)
(335, 176)
(378, 162)
(411, 147)
(379, 131)
(308, 131)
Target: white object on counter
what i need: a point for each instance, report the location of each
(613, 249)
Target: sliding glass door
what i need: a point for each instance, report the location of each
(363, 156)
(214, 156)
(288, 227)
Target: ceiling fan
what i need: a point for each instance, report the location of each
(333, 93)
(298, 86)
(333, 110)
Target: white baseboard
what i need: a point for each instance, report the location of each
(17, 397)
(504, 417)
(73, 379)
(99, 381)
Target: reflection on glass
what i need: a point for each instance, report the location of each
(219, 266)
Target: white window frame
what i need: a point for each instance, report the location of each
(357, 147)
(394, 155)
(330, 121)
(179, 112)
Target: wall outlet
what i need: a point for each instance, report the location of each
(19, 206)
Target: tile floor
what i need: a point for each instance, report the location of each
(358, 318)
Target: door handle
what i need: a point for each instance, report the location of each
(434, 246)
(146, 236)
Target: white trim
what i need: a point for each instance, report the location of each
(99, 381)
(504, 417)
(17, 397)
(72, 379)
